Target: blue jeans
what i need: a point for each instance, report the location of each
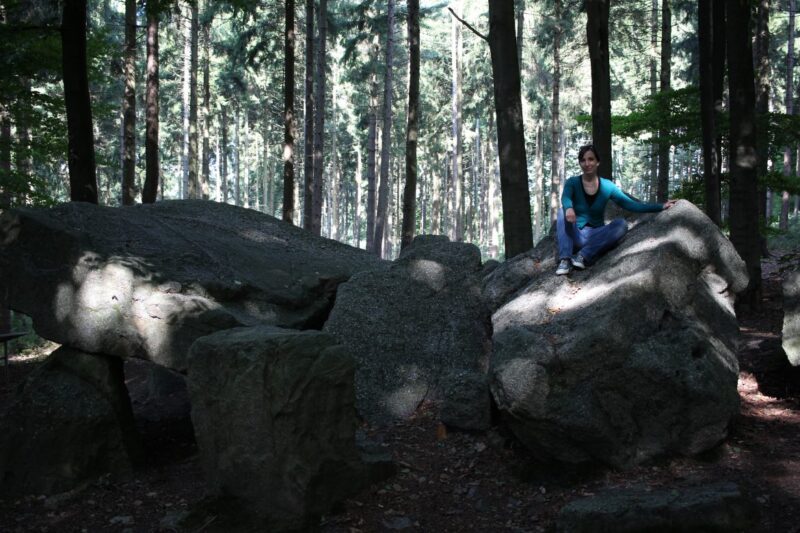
(590, 242)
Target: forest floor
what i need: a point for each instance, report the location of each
(453, 481)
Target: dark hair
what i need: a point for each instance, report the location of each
(588, 148)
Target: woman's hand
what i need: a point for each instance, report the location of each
(669, 203)
(569, 214)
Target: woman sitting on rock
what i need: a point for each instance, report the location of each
(580, 227)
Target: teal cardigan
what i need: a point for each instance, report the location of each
(574, 197)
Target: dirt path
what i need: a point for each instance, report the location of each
(475, 482)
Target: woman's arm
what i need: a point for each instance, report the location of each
(626, 202)
(566, 202)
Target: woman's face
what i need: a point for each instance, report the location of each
(589, 162)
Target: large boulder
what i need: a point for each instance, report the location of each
(71, 422)
(409, 326)
(791, 317)
(634, 357)
(275, 421)
(147, 280)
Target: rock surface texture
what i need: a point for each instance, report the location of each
(71, 423)
(410, 325)
(791, 317)
(275, 421)
(632, 358)
(147, 280)
(716, 507)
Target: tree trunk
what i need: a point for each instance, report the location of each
(152, 164)
(289, 37)
(762, 103)
(720, 60)
(223, 175)
(319, 117)
(357, 198)
(237, 176)
(129, 108)
(597, 37)
(455, 107)
(711, 153)
(783, 221)
(308, 166)
(205, 174)
(82, 177)
(386, 140)
(555, 152)
(510, 132)
(372, 141)
(412, 128)
(743, 138)
(191, 144)
(666, 73)
(654, 53)
(5, 157)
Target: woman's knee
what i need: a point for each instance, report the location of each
(620, 226)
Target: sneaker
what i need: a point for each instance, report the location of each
(563, 267)
(578, 262)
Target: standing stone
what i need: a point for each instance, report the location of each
(410, 325)
(275, 422)
(72, 422)
(791, 317)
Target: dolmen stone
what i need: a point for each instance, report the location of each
(147, 280)
(791, 317)
(714, 507)
(71, 423)
(410, 325)
(634, 357)
(275, 421)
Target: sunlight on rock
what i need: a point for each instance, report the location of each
(402, 402)
(260, 236)
(427, 272)
(524, 381)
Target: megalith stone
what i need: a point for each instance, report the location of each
(275, 422)
(70, 423)
(634, 357)
(791, 317)
(409, 325)
(147, 280)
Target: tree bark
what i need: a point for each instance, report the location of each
(289, 37)
(152, 165)
(412, 127)
(711, 153)
(319, 118)
(81, 162)
(129, 108)
(597, 37)
(510, 132)
(666, 73)
(743, 138)
(386, 139)
(308, 140)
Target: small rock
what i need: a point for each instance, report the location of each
(121, 521)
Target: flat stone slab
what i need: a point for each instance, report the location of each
(714, 507)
